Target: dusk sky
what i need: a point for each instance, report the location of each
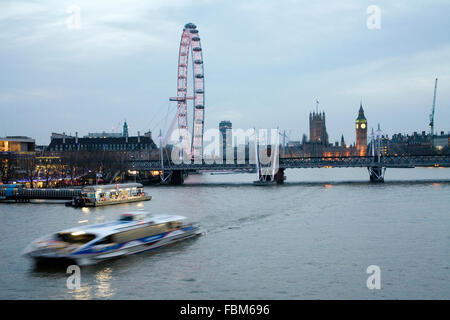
(266, 64)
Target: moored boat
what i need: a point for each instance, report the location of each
(103, 195)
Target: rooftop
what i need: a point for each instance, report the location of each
(17, 139)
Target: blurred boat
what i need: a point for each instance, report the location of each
(134, 232)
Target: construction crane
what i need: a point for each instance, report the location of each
(432, 113)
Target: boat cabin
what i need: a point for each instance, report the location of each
(111, 192)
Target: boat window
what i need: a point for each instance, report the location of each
(126, 218)
(76, 238)
(105, 240)
(139, 233)
(174, 224)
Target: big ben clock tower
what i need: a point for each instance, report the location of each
(361, 133)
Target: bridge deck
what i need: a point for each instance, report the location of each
(304, 162)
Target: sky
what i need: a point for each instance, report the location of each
(266, 64)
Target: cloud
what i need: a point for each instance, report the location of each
(12, 96)
(108, 28)
(266, 62)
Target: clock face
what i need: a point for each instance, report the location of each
(356, 126)
(363, 125)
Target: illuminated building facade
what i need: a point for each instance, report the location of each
(16, 157)
(318, 144)
(61, 143)
(17, 144)
(317, 128)
(418, 144)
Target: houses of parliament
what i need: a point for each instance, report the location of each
(318, 144)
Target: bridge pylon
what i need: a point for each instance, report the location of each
(271, 172)
(376, 172)
(277, 177)
(177, 177)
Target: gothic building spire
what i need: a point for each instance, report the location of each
(125, 129)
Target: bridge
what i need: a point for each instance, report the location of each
(376, 165)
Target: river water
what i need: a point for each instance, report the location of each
(312, 238)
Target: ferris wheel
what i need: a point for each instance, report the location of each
(190, 43)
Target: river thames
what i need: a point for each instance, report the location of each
(312, 238)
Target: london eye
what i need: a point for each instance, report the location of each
(190, 45)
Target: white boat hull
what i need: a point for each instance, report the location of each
(92, 256)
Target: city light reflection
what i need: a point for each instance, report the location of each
(82, 293)
(103, 278)
(436, 184)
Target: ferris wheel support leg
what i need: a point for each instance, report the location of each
(376, 174)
